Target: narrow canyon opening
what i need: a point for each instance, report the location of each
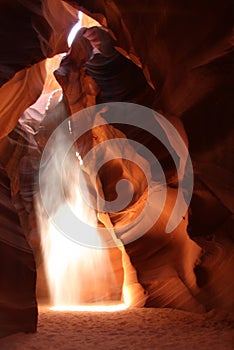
(72, 275)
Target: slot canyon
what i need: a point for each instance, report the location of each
(116, 174)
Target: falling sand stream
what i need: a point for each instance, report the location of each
(80, 276)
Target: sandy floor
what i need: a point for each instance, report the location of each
(130, 329)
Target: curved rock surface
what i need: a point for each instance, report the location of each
(185, 52)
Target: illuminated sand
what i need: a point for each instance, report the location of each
(149, 329)
(90, 307)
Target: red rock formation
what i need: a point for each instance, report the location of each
(18, 305)
(185, 52)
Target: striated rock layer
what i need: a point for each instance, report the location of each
(18, 305)
(180, 60)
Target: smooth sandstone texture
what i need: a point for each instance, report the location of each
(185, 52)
